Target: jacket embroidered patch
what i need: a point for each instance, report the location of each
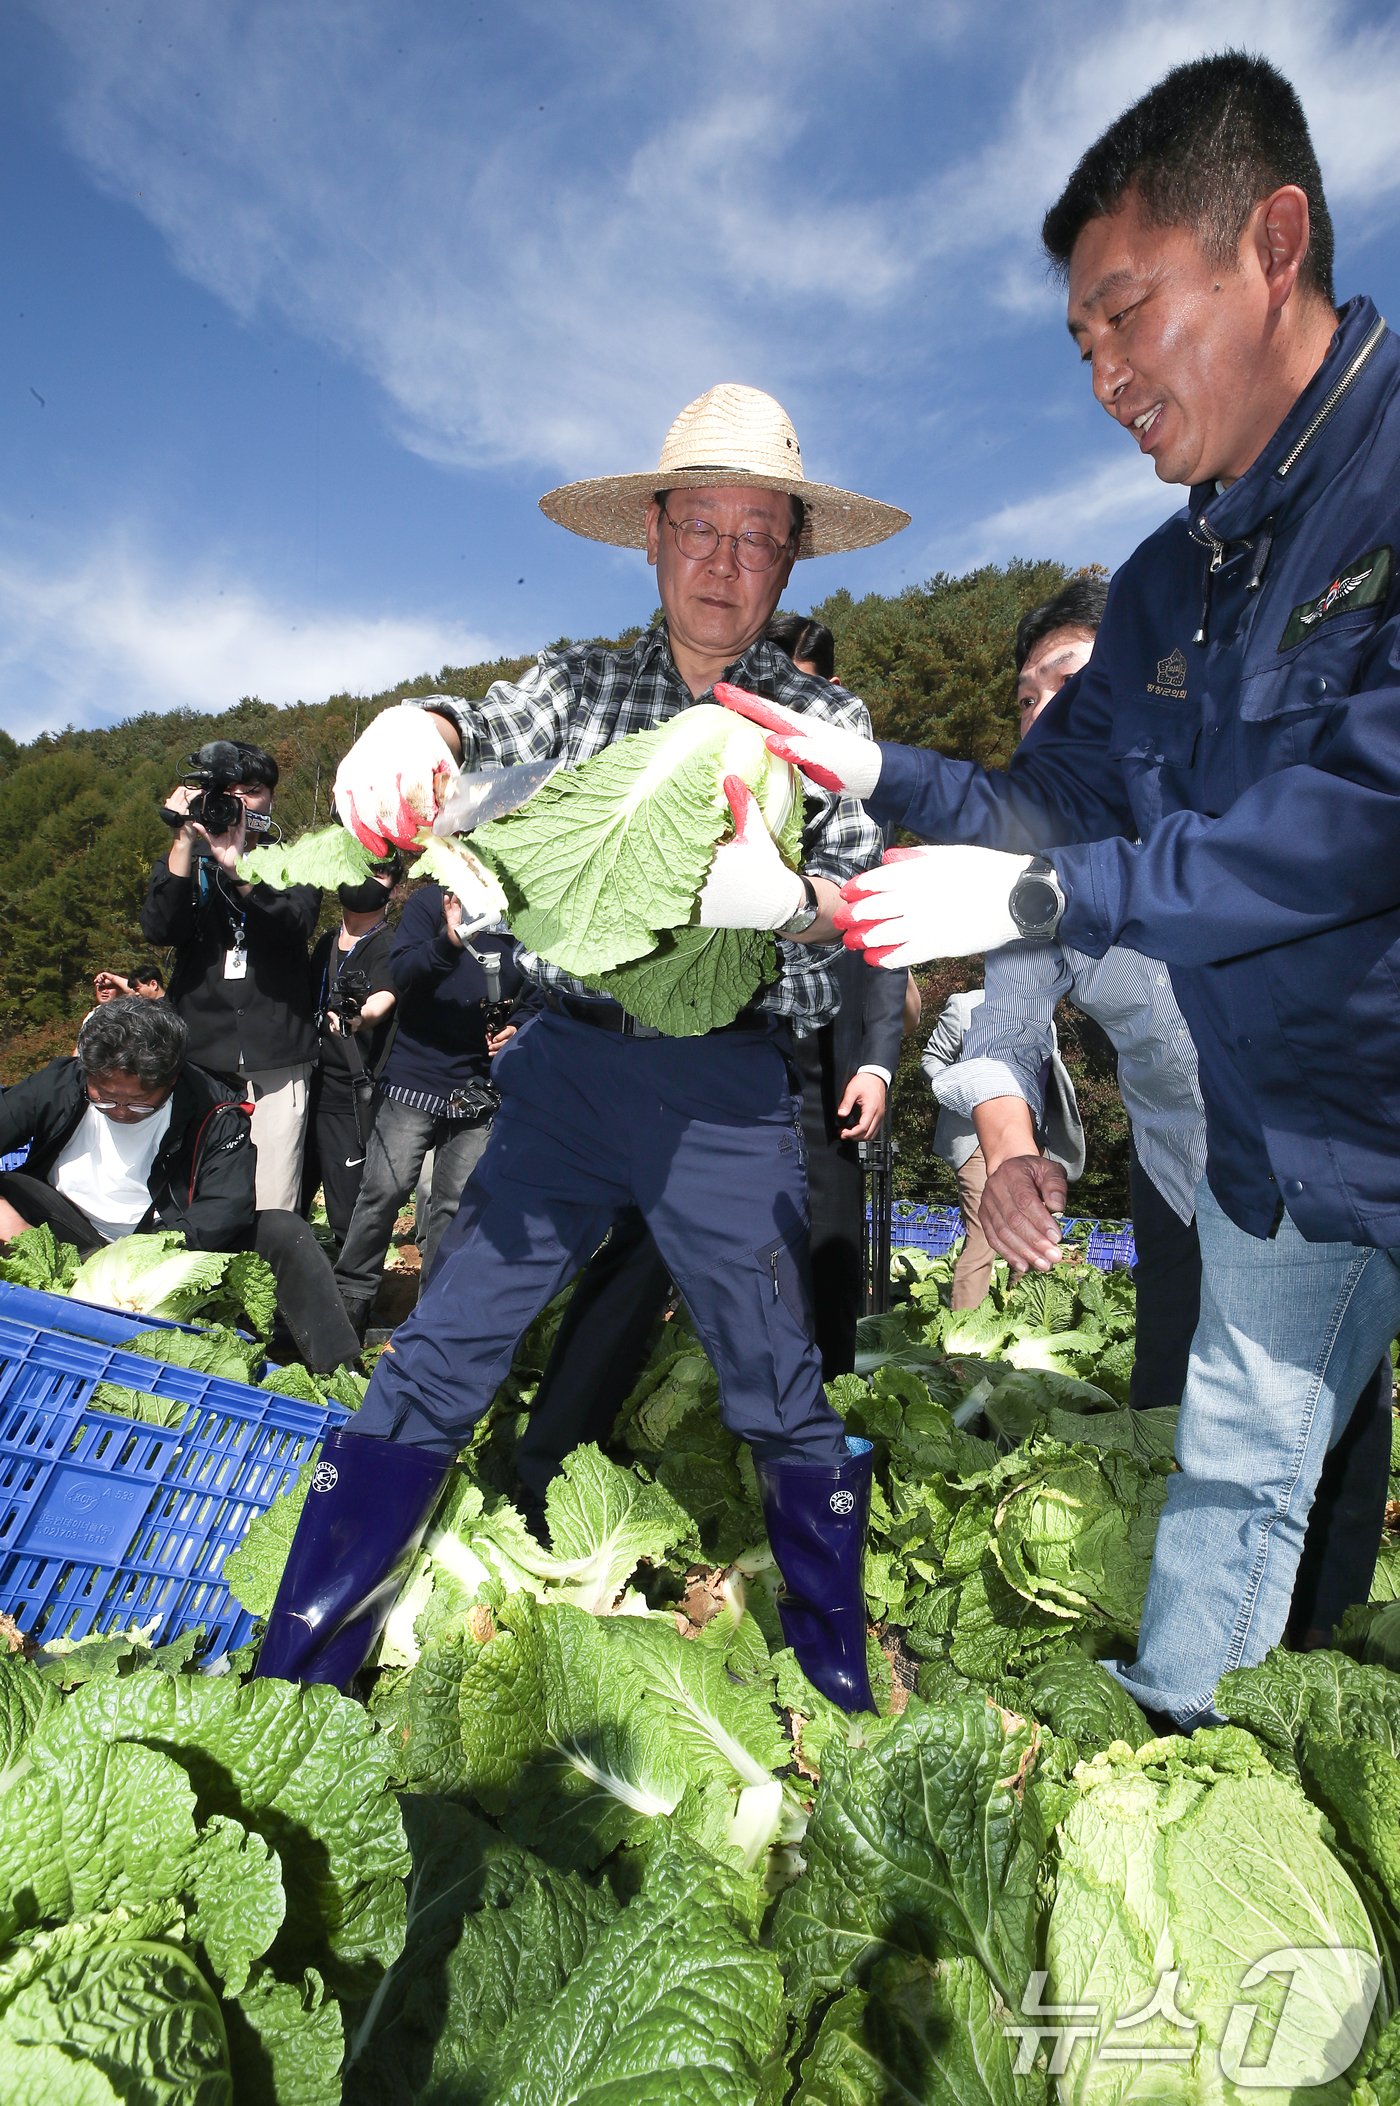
(1363, 583)
(1171, 677)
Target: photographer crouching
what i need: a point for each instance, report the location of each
(455, 989)
(241, 978)
(127, 1137)
(355, 1021)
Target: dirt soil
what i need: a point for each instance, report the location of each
(398, 1290)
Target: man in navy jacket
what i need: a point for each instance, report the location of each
(1219, 788)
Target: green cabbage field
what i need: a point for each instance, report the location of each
(587, 1837)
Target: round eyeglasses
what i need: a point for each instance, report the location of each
(122, 1104)
(697, 539)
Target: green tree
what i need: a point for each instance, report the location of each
(933, 665)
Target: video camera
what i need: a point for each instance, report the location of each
(346, 1000)
(214, 769)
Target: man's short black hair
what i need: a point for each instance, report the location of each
(1078, 605)
(132, 1036)
(1200, 150)
(146, 971)
(256, 765)
(802, 637)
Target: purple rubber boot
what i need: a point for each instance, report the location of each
(816, 1529)
(365, 1515)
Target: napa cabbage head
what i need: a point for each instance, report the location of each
(1207, 1933)
(603, 867)
(158, 1276)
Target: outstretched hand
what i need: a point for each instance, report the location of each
(1018, 1208)
(924, 903)
(827, 755)
(392, 782)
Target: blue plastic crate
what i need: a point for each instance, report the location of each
(1110, 1243)
(60, 1312)
(105, 1522)
(929, 1229)
(935, 1230)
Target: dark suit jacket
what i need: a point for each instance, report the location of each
(869, 1024)
(866, 1029)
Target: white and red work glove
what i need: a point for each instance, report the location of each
(749, 885)
(924, 903)
(827, 755)
(392, 782)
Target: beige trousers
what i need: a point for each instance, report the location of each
(973, 1272)
(280, 1103)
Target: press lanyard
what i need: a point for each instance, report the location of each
(235, 953)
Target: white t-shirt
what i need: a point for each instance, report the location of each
(106, 1166)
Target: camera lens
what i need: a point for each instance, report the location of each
(217, 810)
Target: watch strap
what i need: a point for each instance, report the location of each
(798, 922)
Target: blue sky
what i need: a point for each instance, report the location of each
(307, 301)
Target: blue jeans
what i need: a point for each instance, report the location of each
(1290, 1332)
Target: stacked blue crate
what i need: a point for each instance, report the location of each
(106, 1522)
(935, 1230)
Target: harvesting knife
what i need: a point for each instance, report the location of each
(489, 793)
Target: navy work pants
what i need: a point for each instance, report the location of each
(1167, 1278)
(702, 1135)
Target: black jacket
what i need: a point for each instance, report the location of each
(201, 1181)
(267, 1018)
(441, 1042)
(341, 1067)
(868, 1027)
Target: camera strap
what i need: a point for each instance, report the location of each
(228, 1104)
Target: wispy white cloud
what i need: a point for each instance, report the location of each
(527, 283)
(1083, 66)
(1094, 517)
(537, 264)
(539, 230)
(117, 632)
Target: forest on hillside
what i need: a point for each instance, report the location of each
(80, 824)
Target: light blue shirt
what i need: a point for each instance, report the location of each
(1009, 1040)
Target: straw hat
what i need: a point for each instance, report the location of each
(729, 435)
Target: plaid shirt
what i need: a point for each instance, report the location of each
(578, 700)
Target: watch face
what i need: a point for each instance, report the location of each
(1037, 904)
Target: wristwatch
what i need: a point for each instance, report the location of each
(1037, 901)
(798, 923)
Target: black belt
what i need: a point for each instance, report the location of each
(606, 1015)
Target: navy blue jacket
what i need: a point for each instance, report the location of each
(1229, 765)
(441, 1039)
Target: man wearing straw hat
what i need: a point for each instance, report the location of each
(598, 1113)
